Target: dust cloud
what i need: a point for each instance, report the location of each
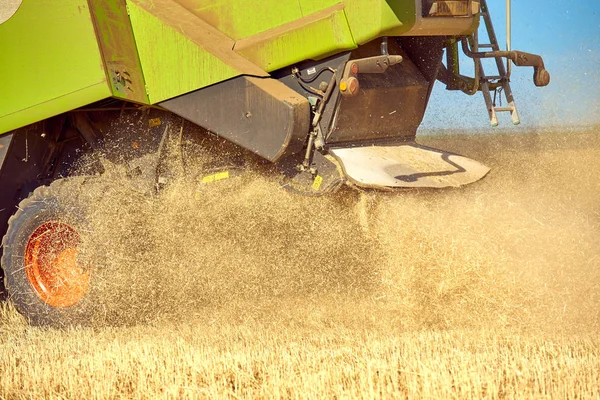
(519, 249)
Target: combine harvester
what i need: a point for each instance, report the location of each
(329, 91)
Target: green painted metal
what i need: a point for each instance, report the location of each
(370, 19)
(312, 6)
(294, 42)
(70, 53)
(244, 18)
(49, 62)
(172, 63)
(117, 44)
(276, 33)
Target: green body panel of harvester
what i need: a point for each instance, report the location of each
(63, 54)
(49, 62)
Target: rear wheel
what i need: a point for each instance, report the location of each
(44, 276)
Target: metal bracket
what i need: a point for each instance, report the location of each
(541, 77)
(349, 84)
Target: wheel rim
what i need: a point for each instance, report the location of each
(51, 264)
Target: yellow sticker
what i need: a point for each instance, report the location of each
(152, 122)
(215, 177)
(317, 183)
(208, 178)
(222, 175)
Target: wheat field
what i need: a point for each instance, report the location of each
(247, 291)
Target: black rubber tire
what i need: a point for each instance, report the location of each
(45, 204)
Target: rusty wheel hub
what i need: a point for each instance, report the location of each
(51, 265)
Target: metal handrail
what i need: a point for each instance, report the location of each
(508, 36)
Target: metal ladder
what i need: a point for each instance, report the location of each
(502, 78)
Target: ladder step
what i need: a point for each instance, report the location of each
(501, 80)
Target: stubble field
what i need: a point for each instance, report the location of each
(246, 291)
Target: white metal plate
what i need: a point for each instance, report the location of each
(407, 165)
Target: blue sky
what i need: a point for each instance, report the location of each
(567, 35)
